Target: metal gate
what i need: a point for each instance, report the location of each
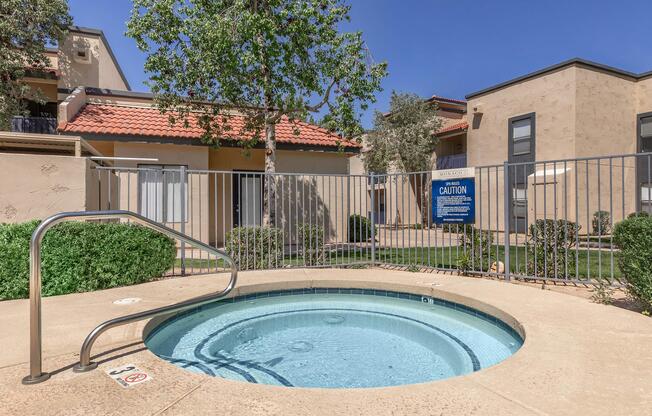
(558, 214)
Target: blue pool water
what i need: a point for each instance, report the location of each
(334, 338)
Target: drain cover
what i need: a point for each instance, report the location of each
(300, 346)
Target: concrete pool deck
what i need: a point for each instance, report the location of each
(579, 358)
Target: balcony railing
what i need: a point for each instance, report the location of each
(44, 125)
(451, 161)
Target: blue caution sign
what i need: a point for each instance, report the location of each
(453, 201)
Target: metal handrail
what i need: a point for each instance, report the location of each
(36, 374)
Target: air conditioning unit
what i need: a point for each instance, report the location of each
(82, 55)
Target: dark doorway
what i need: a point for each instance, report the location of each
(248, 198)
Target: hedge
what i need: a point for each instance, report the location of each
(360, 228)
(82, 256)
(549, 247)
(255, 248)
(312, 244)
(633, 237)
(477, 244)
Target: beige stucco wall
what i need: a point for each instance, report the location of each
(644, 95)
(194, 157)
(551, 96)
(302, 198)
(101, 72)
(37, 186)
(605, 114)
(580, 112)
(577, 191)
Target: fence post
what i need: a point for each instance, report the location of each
(182, 191)
(506, 209)
(373, 219)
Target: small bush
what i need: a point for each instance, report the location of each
(464, 263)
(454, 228)
(255, 248)
(634, 238)
(638, 214)
(360, 228)
(549, 243)
(601, 223)
(312, 247)
(82, 256)
(603, 292)
(478, 244)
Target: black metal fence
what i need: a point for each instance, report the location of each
(42, 125)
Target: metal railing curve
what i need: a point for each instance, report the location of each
(36, 374)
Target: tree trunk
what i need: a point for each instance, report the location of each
(269, 185)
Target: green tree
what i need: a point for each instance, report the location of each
(403, 139)
(27, 27)
(265, 59)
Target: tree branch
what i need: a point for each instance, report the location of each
(316, 107)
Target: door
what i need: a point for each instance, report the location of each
(248, 199)
(521, 148)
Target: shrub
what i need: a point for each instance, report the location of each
(360, 228)
(601, 223)
(464, 263)
(83, 256)
(478, 244)
(255, 247)
(634, 238)
(549, 243)
(455, 228)
(638, 214)
(312, 247)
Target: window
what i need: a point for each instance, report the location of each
(520, 194)
(521, 134)
(645, 134)
(646, 197)
(159, 193)
(519, 200)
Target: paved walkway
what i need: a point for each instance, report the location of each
(579, 358)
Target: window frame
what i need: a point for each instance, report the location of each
(148, 167)
(532, 137)
(639, 125)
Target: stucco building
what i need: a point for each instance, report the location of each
(90, 102)
(576, 109)
(573, 110)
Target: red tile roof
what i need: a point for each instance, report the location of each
(450, 100)
(454, 127)
(149, 122)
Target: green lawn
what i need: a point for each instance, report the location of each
(590, 263)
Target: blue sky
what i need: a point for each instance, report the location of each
(453, 47)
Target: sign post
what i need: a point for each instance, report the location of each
(453, 193)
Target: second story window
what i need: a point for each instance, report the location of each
(522, 135)
(645, 139)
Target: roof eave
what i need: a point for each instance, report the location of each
(556, 67)
(187, 141)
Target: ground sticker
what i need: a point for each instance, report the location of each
(128, 375)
